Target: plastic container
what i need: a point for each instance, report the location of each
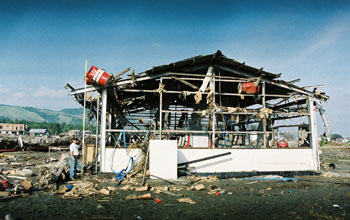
(282, 144)
(250, 88)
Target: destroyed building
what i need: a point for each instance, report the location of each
(203, 106)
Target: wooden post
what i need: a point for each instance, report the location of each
(84, 115)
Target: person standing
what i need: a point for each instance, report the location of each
(73, 158)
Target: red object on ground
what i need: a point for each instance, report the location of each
(250, 88)
(4, 184)
(97, 75)
(10, 150)
(188, 141)
(282, 144)
(158, 200)
(217, 193)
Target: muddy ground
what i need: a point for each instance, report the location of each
(307, 197)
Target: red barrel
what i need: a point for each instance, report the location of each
(97, 75)
(282, 144)
(250, 88)
(89, 81)
(4, 184)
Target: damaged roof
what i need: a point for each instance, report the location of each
(223, 66)
(232, 68)
(202, 62)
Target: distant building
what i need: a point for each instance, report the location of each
(74, 133)
(8, 128)
(34, 132)
(340, 140)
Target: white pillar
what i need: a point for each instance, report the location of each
(212, 88)
(313, 137)
(103, 130)
(264, 119)
(161, 111)
(97, 123)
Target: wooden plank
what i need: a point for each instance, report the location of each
(185, 82)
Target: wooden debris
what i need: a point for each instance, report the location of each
(27, 184)
(142, 188)
(198, 187)
(198, 97)
(24, 172)
(32, 142)
(112, 188)
(62, 190)
(105, 191)
(49, 176)
(142, 197)
(146, 196)
(126, 188)
(4, 193)
(82, 184)
(82, 189)
(187, 200)
(174, 189)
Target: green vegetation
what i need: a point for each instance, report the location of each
(55, 122)
(73, 111)
(67, 116)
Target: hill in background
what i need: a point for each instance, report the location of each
(67, 116)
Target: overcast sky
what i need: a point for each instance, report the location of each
(44, 44)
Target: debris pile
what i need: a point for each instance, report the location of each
(49, 176)
(12, 142)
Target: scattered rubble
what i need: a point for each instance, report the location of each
(50, 175)
(29, 142)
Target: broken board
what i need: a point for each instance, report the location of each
(163, 159)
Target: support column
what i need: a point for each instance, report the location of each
(97, 122)
(264, 120)
(161, 111)
(212, 88)
(313, 136)
(103, 130)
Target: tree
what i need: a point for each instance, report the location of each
(335, 136)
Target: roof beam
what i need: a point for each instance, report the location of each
(297, 102)
(240, 66)
(292, 88)
(185, 82)
(119, 83)
(294, 81)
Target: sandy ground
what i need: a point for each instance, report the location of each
(308, 197)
